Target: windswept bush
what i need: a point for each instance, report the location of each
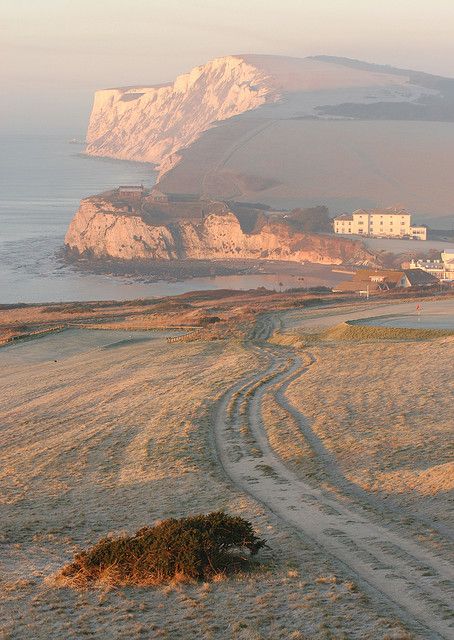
(209, 320)
(191, 548)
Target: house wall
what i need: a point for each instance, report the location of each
(419, 232)
(448, 263)
(125, 193)
(442, 269)
(382, 224)
(343, 226)
(379, 223)
(446, 256)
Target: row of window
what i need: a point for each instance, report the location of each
(361, 222)
(401, 217)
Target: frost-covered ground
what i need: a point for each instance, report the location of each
(114, 438)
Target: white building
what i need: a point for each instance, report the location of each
(379, 223)
(443, 268)
(448, 261)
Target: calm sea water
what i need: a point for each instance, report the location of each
(42, 180)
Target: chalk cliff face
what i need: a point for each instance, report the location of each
(154, 123)
(102, 229)
(290, 132)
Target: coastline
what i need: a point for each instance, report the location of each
(190, 269)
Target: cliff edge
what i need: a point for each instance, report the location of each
(290, 132)
(104, 226)
(152, 123)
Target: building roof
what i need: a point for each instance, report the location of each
(389, 276)
(371, 280)
(425, 264)
(344, 216)
(358, 285)
(418, 277)
(391, 211)
(367, 279)
(131, 187)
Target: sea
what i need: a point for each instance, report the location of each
(42, 180)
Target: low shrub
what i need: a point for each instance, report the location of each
(210, 320)
(185, 549)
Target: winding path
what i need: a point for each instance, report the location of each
(415, 580)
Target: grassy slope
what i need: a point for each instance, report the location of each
(114, 439)
(385, 412)
(357, 333)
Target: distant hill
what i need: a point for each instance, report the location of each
(291, 132)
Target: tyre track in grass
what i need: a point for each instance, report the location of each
(415, 581)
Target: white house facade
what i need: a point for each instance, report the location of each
(379, 223)
(443, 268)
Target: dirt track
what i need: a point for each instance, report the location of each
(412, 578)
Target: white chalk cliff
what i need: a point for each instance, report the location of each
(153, 123)
(103, 229)
(287, 132)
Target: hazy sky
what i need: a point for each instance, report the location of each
(55, 53)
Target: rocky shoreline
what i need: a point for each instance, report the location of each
(168, 270)
(152, 271)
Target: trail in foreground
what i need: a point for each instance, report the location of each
(413, 579)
